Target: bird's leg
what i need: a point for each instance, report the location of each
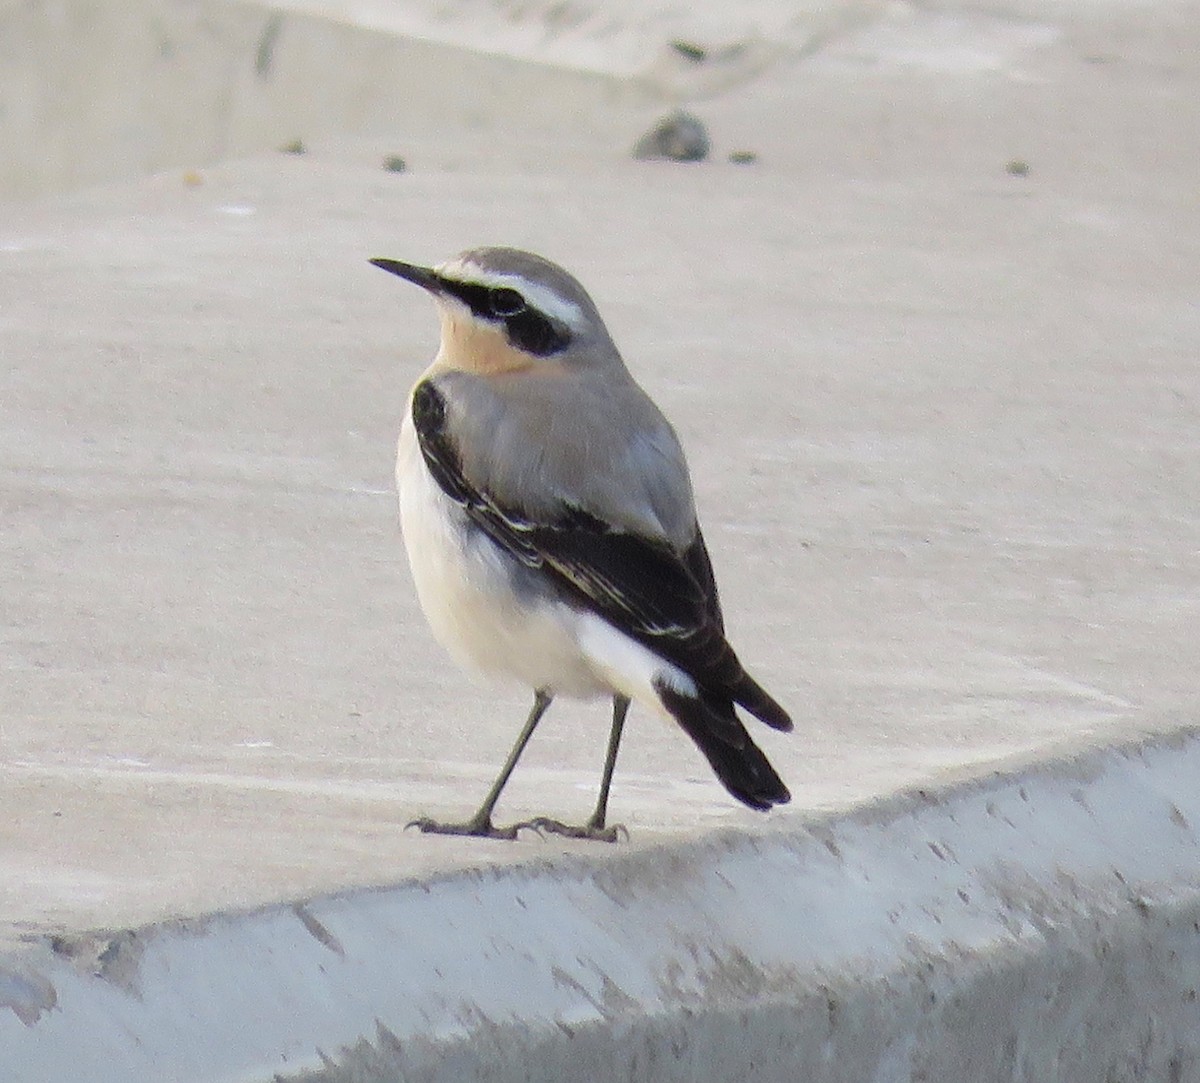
(595, 827)
(599, 815)
(480, 825)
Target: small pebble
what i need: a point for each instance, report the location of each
(193, 178)
(1017, 168)
(743, 157)
(296, 146)
(690, 51)
(680, 137)
(393, 163)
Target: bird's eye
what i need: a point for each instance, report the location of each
(504, 302)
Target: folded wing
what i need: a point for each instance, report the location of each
(665, 600)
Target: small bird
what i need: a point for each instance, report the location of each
(548, 515)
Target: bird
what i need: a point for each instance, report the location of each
(549, 519)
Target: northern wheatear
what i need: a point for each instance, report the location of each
(548, 515)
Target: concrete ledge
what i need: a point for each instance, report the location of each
(198, 83)
(949, 486)
(1039, 924)
(202, 82)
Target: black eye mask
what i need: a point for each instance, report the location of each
(526, 327)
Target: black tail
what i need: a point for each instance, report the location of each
(750, 694)
(717, 731)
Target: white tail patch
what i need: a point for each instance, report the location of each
(626, 665)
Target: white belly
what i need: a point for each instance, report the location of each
(465, 589)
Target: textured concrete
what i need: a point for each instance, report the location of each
(201, 82)
(1035, 926)
(934, 358)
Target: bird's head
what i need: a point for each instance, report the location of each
(503, 310)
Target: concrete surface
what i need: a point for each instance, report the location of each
(1040, 926)
(202, 82)
(942, 418)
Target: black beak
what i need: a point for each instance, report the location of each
(421, 276)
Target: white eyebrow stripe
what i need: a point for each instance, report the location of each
(536, 295)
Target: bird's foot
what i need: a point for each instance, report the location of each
(591, 830)
(479, 827)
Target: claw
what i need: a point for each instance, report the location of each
(480, 828)
(590, 831)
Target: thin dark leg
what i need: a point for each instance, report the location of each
(595, 827)
(481, 823)
(620, 710)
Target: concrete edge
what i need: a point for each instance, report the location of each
(1044, 912)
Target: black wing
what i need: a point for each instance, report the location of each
(641, 586)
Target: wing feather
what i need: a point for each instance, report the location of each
(664, 600)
